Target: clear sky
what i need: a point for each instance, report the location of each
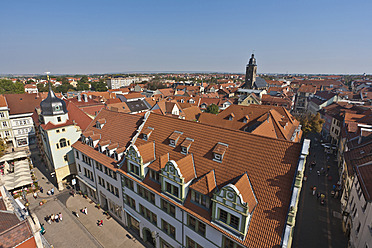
(105, 36)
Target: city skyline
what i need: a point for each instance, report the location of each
(94, 37)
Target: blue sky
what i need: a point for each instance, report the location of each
(121, 36)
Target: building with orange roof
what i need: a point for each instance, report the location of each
(21, 107)
(270, 121)
(31, 88)
(304, 93)
(186, 182)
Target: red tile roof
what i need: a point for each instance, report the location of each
(364, 173)
(270, 164)
(22, 103)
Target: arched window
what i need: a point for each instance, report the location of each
(62, 143)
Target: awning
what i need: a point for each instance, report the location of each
(13, 155)
(20, 177)
(86, 183)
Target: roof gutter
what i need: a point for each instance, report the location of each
(296, 190)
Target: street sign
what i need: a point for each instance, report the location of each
(73, 181)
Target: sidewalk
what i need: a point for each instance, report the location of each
(111, 234)
(73, 231)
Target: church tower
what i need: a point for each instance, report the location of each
(53, 109)
(250, 73)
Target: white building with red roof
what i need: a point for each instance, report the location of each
(60, 125)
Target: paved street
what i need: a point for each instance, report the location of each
(317, 225)
(73, 231)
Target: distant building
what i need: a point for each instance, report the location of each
(116, 83)
(31, 88)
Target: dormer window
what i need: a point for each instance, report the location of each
(185, 145)
(173, 138)
(219, 151)
(146, 133)
(245, 119)
(182, 100)
(192, 101)
(231, 116)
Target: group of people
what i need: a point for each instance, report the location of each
(50, 192)
(53, 218)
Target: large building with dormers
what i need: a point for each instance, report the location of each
(179, 183)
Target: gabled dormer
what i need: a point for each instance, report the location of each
(231, 116)
(245, 119)
(233, 206)
(103, 145)
(202, 190)
(95, 138)
(219, 151)
(173, 138)
(177, 176)
(146, 133)
(138, 158)
(100, 123)
(185, 145)
(111, 148)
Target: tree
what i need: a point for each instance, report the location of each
(8, 87)
(42, 88)
(213, 109)
(311, 123)
(3, 147)
(82, 86)
(99, 86)
(84, 79)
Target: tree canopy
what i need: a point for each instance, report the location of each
(311, 123)
(213, 109)
(8, 87)
(99, 86)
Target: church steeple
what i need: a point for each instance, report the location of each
(250, 73)
(52, 105)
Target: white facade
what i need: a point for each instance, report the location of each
(360, 217)
(6, 132)
(116, 83)
(23, 129)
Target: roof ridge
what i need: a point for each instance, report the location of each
(227, 129)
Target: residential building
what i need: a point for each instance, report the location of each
(21, 109)
(304, 93)
(116, 83)
(6, 132)
(184, 183)
(31, 88)
(320, 100)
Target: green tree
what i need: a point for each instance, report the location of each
(3, 147)
(213, 109)
(311, 123)
(84, 79)
(19, 88)
(99, 86)
(8, 87)
(42, 88)
(82, 86)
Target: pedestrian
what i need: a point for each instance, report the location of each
(318, 172)
(328, 167)
(35, 195)
(52, 191)
(56, 217)
(314, 190)
(48, 193)
(100, 223)
(85, 210)
(60, 216)
(318, 195)
(41, 189)
(49, 221)
(52, 217)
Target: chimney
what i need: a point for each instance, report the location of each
(90, 96)
(85, 97)
(79, 98)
